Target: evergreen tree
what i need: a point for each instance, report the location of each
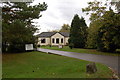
(17, 29)
(83, 30)
(78, 32)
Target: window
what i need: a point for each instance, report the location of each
(43, 40)
(53, 40)
(57, 40)
(62, 40)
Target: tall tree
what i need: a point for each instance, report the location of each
(103, 32)
(95, 10)
(65, 28)
(92, 34)
(77, 32)
(84, 32)
(109, 33)
(16, 24)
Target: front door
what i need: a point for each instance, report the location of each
(57, 40)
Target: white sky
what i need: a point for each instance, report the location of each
(60, 12)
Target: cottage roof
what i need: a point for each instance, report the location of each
(66, 34)
(49, 34)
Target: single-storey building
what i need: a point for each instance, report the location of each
(53, 38)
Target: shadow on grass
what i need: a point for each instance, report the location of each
(17, 52)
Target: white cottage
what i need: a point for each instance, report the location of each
(53, 38)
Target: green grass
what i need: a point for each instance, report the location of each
(43, 65)
(78, 50)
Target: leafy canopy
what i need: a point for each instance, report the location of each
(65, 28)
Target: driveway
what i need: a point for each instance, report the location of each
(110, 61)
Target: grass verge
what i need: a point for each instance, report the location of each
(43, 65)
(78, 50)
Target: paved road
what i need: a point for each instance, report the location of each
(110, 61)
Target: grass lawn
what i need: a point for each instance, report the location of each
(43, 65)
(78, 50)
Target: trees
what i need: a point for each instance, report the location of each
(92, 34)
(96, 11)
(103, 32)
(83, 27)
(17, 29)
(78, 32)
(65, 28)
(18, 36)
(108, 35)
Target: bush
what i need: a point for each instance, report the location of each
(105, 40)
(38, 45)
(67, 44)
(49, 45)
(71, 45)
(16, 48)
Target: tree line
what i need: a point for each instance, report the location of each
(103, 33)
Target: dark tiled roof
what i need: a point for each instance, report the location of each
(66, 34)
(46, 34)
(49, 34)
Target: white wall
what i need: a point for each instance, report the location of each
(66, 40)
(46, 43)
(57, 35)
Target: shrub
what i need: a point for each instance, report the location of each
(16, 48)
(38, 45)
(71, 45)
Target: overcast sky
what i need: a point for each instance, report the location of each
(60, 12)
